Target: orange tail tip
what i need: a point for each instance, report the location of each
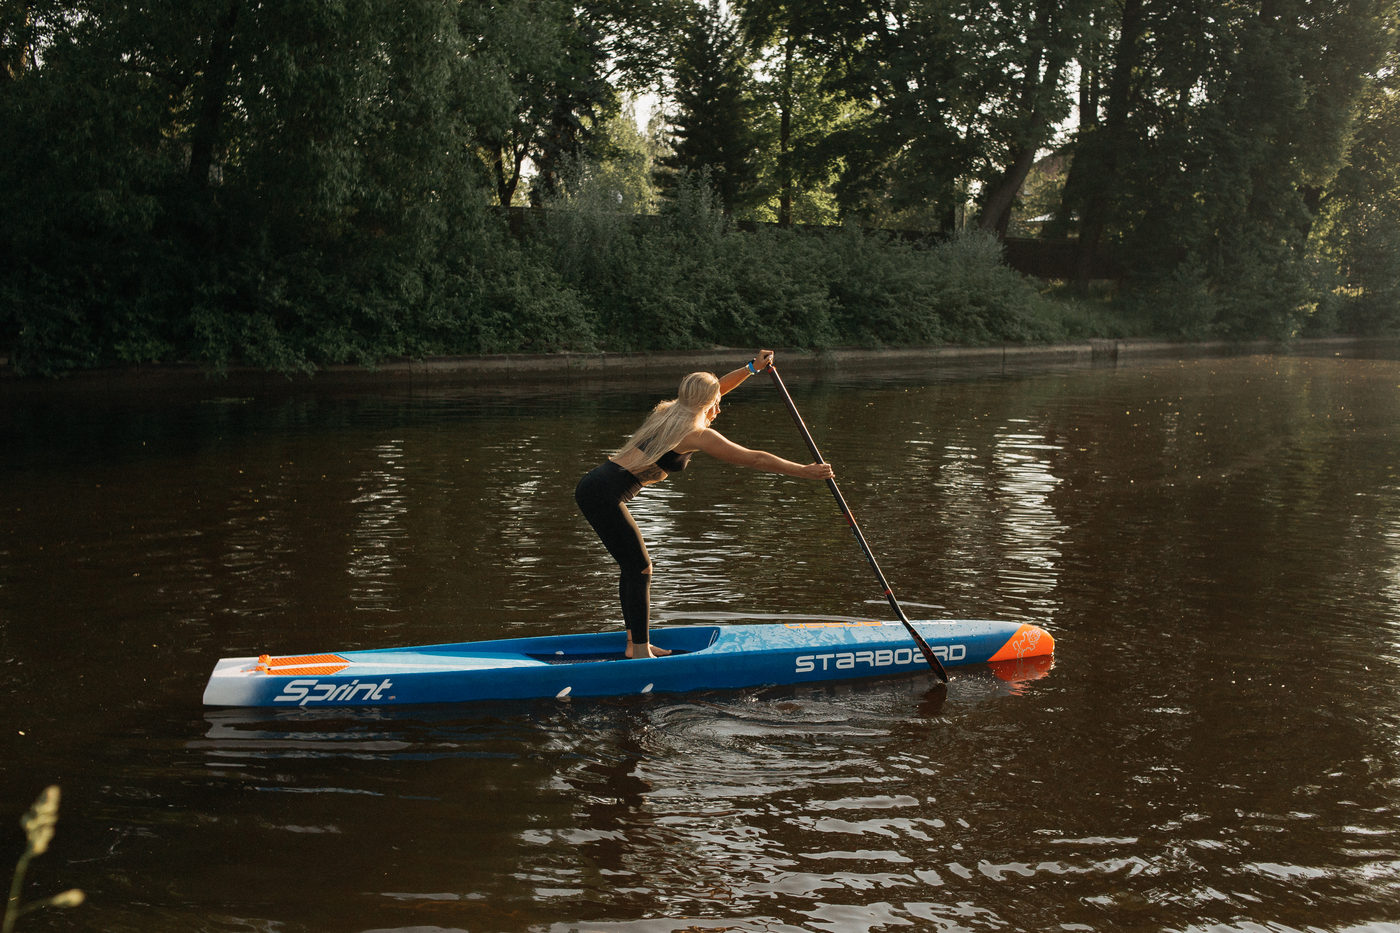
(308, 665)
(1029, 641)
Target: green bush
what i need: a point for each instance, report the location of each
(578, 277)
(981, 299)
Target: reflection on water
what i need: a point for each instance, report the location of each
(1214, 543)
(707, 795)
(1388, 518)
(1031, 531)
(380, 538)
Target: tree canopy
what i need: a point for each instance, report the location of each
(305, 182)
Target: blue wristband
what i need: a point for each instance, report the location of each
(749, 364)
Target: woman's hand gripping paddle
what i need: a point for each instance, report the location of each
(934, 664)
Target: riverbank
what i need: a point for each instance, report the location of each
(584, 368)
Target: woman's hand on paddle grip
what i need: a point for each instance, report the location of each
(818, 471)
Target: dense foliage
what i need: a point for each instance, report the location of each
(315, 181)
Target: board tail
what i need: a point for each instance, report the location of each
(307, 665)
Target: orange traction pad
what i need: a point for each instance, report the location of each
(307, 665)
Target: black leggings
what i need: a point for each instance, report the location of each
(602, 496)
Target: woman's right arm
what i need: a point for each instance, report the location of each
(722, 448)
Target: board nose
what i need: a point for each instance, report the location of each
(1028, 641)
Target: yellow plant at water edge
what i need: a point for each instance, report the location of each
(38, 825)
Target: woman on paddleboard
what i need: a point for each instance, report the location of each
(661, 446)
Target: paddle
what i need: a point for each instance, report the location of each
(934, 664)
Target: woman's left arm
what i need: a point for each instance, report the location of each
(732, 380)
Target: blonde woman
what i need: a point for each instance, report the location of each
(663, 445)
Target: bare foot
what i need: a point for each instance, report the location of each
(645, 650)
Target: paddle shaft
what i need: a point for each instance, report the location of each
(934, 664)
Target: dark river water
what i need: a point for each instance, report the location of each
(1214, 543)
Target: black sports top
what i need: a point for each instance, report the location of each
(673, 462)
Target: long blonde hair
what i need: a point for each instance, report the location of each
(670, 421)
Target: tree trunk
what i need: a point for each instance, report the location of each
(22, 55)
(996, 213)
(1108, 142)
(213, 93)
(507, 180)
(785, 141)
(1035, 128)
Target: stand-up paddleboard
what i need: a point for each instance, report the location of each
(705, 657)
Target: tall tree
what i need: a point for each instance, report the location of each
(24, 28)
(552, 66)
(1103, 137)
(212, 91)
(1267, 131)
(1033, 44)
(904, 65)
(712, 116)
(227, 174)
(1357, 235)
(775, 21)
(944, 93)
(1222, 123)
(796, 87)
